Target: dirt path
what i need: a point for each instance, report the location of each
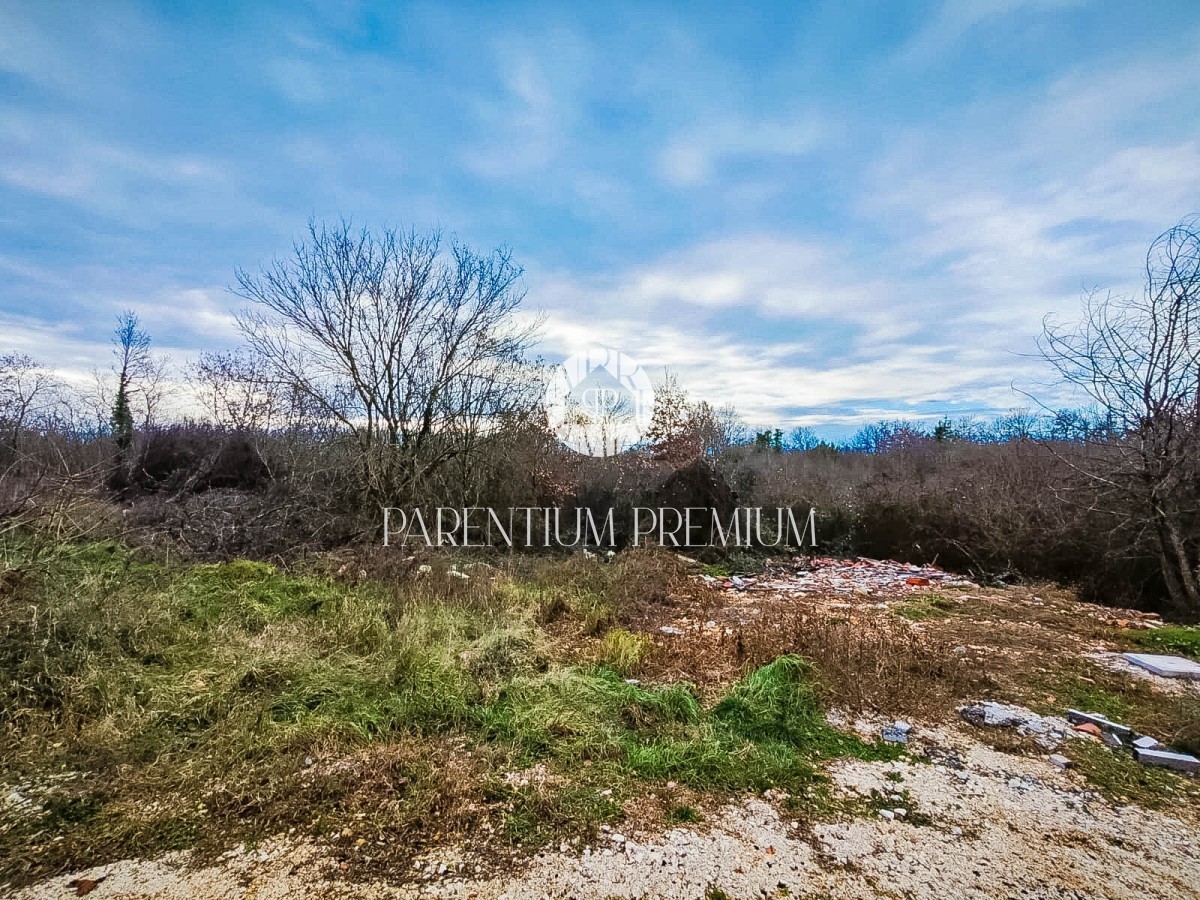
(976, 823)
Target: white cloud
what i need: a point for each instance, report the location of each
(693, 158)
(957, 18)
(46, 154)
(526, 125)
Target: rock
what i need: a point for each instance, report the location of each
(1089, 728)
(1048, 731)
(1145, 742)
(84, 886)
(897, 732)
(998, 715)
(1059, 760)
(887, 814)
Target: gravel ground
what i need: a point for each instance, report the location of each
(972, 823)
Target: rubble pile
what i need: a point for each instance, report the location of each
(1048, 731)
(1145, 749)
(1051, 731)
(1125, 618)
(826, 575)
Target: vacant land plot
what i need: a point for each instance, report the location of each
(504, 726)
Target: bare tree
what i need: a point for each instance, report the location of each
(803, 438)
(1138, 358)
(410, 348)
(28, 393)
(1016, 425)
(239, 394)
(43, 462)
(887, 436)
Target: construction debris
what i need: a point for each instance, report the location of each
(1166, 666)
(1180, 762)
(826, 575)
(1146, 750)
(1126, 618)
(1124, 732)
(1048, 731)
(1117, 662)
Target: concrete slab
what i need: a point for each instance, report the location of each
(1166, 666)
(1181, 762)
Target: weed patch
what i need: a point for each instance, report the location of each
(623, 651)
(931, 606)
(1181, 639)
(203, 705)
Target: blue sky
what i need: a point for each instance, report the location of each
(820, 212)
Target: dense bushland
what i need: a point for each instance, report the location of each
(1018, 509)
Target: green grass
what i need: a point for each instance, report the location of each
(147, 706)
(1178, 639)
(931, 606)
(1079, 691)
(766, 732)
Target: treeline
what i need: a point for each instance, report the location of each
(1063, 425)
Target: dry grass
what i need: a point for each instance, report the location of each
(867, 662)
